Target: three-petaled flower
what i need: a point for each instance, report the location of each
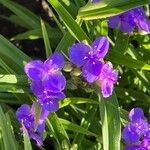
(89, 58)
(47, 80)
(136, 133)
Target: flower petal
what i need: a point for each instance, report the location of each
(108, 73)
(100, 47)
(37, 88)
(22, 111)
(113, 22)
(127, 22)
(107, 88)
(34, 70)
(37, 138)
(145, 144)
(129, 134)
(133, 147)
(136, 114)
(91, 70)
(54, 83)
(55, 61)
(144, 24)
(59, 95)
(78, 52)
(41, 123)
(126, 27)
(49, 104)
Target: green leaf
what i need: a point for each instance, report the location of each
(24, 14)
(107, 8)
(7, 134)
(48, 48)
(27, 143)
(121, 43)
(16, 20)
(75, 128)
(119, 58)
(59, 131)
(9, 98)
(75, 100)
(70, 23)
(111, 125)
(85, 123)
(10, 78)
(54, 35)
(12, 56)
(13, 88)
(131, 94)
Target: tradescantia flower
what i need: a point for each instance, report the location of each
(89, 58)
(136, 133)
(47, 80)
(26, 116)
(127, 21)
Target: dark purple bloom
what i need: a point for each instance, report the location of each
(26, 116)
(107, 78)
(47, 80)
(127, 21)
(137, 131)
(88, 57)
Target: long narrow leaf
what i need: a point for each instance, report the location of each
(111, 125)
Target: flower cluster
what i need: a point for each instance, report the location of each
(90, 59)
(47, 84)
(137, 132)
(26, 116)
(127, 21)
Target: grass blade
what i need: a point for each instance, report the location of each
(70, 23)
(7, 134)
(48, 48)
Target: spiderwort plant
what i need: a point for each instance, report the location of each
(137, 134)
(26, 116)
(48, 82)
(90, 59)
(127, 21)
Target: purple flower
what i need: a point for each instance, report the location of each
(137, 131)
(107, 78)
(47, 80)
(26, 116)
(140, 19)
(88, 57)
(127, 21)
